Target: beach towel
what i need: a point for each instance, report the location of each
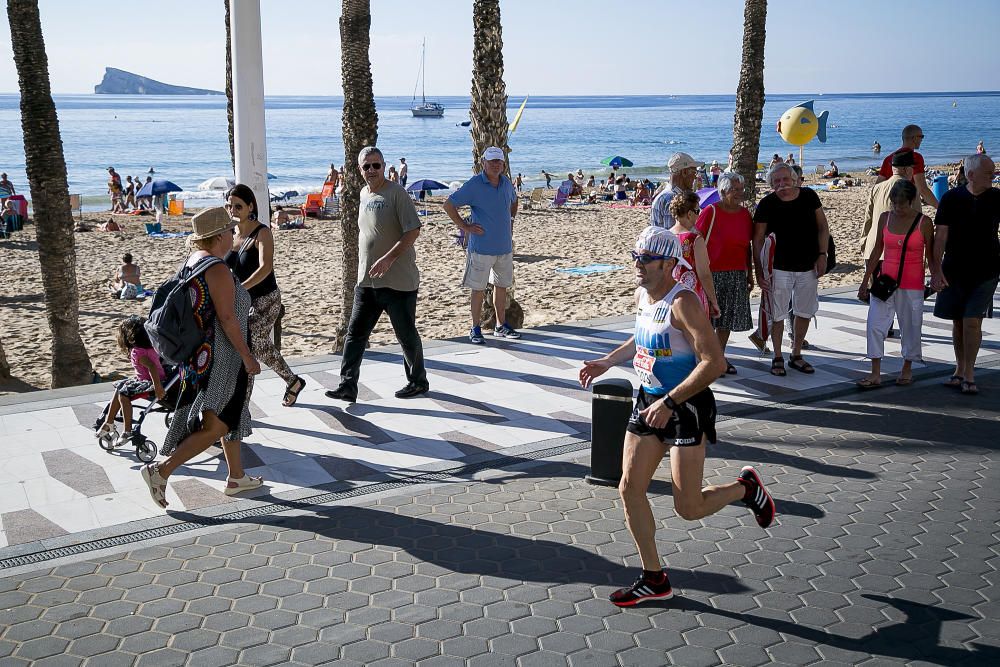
(763, 330)
(590, 269)
(629, 206)
(168, 235)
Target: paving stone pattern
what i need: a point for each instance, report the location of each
(885, 552)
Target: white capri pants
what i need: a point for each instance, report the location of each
(799, 288)
(908, 305)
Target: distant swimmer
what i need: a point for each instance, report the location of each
(876, 147)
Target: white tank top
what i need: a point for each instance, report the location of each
(663, 357)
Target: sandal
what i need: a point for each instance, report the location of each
(244, 483)
(801, 365)
(969, 388)
(867, 383)
(730, 369)
(293, 395)
(955, 382)
(904, 381)
(157, 485)
(778, 366)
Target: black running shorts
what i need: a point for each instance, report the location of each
(693, 419)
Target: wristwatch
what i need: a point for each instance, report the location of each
(670, 403)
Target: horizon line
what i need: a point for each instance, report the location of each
(605, 95)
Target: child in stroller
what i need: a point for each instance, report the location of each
(148, 381)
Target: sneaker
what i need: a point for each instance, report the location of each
(756, 497)
(476, 336)
(642, 590)
(506, 331)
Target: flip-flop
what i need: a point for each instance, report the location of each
(803, 366)
(904, 382)
(969, 388)
(730, 369)
(951, 382)
(288, 400)
(867, 384)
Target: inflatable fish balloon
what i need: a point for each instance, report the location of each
(800, 124)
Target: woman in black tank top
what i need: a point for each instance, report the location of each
(252, 261)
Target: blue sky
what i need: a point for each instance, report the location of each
(551, 47)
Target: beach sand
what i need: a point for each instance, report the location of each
(307, 265)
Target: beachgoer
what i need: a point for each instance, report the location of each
(332, 176)
(403, 170)
(716, 172)
(519, 182)
(731, 165)
(388, 279)
(683, 169)
(620, 194)
(795, 216)
(128, 274)
(876, 147)
(698, 277)
(393, 174)
(912, 137)
(967, 264)
(548, 178)
(642, 196)
(833, 171)
(129, 193)
(676, 357)
(115, 190)
(728, 231)
(907, 302)
(879, 201)
(590, 181)
(252, 261)
(790, 159)
(149, 377)
(213, 405)
(490, 255)
(776, 160)
(980, 149)
(279, 217)
(958, 179)
(6, 186)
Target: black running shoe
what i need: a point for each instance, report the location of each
(757, 498)
(642, 590)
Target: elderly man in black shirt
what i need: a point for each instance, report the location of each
(795, 216)
(966, 227)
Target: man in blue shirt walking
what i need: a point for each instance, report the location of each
(490, 255)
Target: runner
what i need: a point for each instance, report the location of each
(676, 355)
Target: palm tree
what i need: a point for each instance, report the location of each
(46, 169)
(229, 88)
(360, 128)
(489, 94)
(750, 95)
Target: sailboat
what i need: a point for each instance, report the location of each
(425, 109)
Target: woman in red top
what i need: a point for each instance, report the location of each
(907, 302)
(728, 230)
(684, 210)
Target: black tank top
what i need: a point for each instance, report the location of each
(244, 262)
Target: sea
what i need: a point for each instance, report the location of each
(185, 139)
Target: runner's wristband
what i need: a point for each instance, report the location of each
(670, 403)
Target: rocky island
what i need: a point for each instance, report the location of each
(120, 82)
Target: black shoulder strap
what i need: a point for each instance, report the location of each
(250, 238)
(902, 253)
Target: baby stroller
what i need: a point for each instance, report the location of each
(145, 449)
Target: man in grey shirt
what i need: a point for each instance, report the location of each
(388, 226)
(683, 169)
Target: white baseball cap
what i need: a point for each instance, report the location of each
(493, 153)
(681, 161)
(660, 241)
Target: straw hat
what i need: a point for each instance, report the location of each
(211, 222)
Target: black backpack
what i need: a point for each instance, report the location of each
(171, 325)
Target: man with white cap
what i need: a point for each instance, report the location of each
(676, 356)
(683, 170)
(490, 255)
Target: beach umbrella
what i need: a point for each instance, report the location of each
(708, 196)
(158, 187)
(425, 184)
(617, 161)
(217, 183)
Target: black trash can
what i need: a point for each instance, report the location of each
(611, 408)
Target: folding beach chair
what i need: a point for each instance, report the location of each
(313, 205)
(534, 199)
(562, 195)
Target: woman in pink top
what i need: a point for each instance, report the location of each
(907, 301)
(684, 209)
(728, 230)
(149, 376)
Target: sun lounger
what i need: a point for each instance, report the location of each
(534, 199)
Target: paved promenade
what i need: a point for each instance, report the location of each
(456, 528)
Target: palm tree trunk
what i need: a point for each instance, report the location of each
(489, 94)
(750, 95)
(46, 169)
(360, 127)
(229, 89)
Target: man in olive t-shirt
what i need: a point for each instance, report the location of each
(388, 226)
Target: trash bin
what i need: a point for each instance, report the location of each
(611, 408)
(940, 186)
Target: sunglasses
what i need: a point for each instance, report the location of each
(371, 165)
(645, 259)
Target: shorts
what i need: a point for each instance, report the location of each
(693, 419)
(481, 270)
(958, 301)
(797, 287)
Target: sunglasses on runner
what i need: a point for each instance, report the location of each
(371, 165)
(645, 259)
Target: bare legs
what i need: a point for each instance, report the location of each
(966, 338)
(687, 467)
(778, 329)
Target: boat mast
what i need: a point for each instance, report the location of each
(423, 71)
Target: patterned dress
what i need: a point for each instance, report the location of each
(689, 277)
(214, 378)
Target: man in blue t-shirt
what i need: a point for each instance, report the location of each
(490, 255)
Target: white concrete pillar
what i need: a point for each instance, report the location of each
(248, 100)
